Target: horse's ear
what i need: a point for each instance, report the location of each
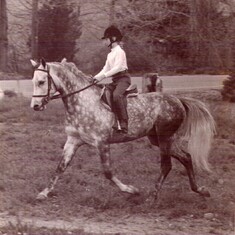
(34, 63)
(43, 62)
(64, 60)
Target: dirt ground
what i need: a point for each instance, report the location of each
(139, 224)
(85, 203)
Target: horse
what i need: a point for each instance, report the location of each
(163, 118)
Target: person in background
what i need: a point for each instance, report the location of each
(116, 67)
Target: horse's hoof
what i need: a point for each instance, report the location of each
(41, 197)
(136, 191)
(132, 190)
(204, 192)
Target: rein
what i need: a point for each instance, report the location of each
(72, 93)
(50, 81)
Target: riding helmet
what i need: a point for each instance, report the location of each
(112, 31)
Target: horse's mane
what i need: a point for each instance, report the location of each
(73, 68)
(70, 71)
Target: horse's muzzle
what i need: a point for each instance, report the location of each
(37, 107)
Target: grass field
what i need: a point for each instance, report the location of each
(31, 143)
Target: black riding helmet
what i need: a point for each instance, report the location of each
(111, 32)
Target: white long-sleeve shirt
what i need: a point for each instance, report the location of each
(115, 62)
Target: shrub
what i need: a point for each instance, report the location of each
(10, 93)
(228, 91)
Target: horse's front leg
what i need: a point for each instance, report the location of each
(69, 150)
(104, 152)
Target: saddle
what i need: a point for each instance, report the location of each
(106, 95)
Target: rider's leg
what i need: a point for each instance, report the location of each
(109, 89)
(120, 103)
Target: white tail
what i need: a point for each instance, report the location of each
(198, 129)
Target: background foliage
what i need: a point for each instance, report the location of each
(180, 36)
(59, 28)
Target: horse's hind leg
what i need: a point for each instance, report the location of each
(185, 158)
(69, 150)
(166, 165)
(104, 152)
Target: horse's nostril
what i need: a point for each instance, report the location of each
(36, 107)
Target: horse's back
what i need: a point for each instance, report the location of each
(162, 111)
(154, 101)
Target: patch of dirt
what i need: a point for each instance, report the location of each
(138, 224)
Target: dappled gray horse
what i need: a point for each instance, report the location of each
(161, 117)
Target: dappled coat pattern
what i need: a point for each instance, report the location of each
(160, 117)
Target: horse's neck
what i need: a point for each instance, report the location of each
(75, 85)
(66, 81)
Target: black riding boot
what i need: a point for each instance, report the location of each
(115, 125)
(124, 126)
(121, 113)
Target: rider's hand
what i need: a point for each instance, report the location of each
(95, 80)
(99, 77)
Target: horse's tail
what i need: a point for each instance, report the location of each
(198, 129)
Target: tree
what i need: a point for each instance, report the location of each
(188, 34)
(159, 29)
(59, 28)
(34, 30)
(205, 35)
(112, 11)
(19, 34)
(3, 36)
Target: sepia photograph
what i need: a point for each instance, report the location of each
(117, 117)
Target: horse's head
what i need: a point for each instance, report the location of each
(43, 85)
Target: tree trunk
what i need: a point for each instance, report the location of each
(204, 52)
(3, 36)
(112, 12)
(194, 40)
(214, 58)
(34, 28)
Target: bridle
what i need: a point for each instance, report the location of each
(50, 80)
(47, 97)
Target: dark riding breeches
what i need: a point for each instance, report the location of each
(118, 88)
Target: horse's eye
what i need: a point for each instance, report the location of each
(40, 83)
